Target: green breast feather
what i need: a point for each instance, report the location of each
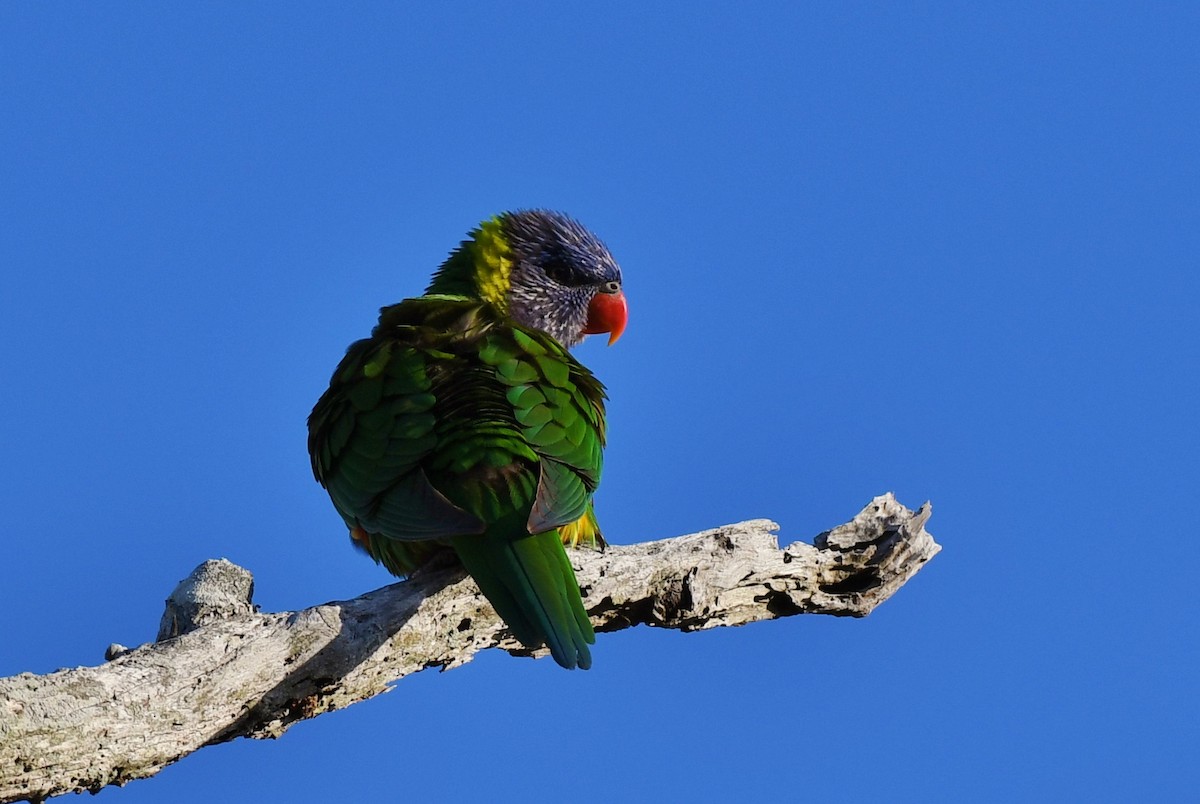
(451, 426)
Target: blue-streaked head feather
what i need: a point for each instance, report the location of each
(558, 267)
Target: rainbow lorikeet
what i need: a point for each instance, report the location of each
(464, 422)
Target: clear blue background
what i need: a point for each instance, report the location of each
(944, 250)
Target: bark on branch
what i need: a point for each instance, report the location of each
(221, 670)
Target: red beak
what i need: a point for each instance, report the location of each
(607, 312)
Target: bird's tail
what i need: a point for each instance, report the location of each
(531, 584)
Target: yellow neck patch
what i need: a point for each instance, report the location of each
(493, 264)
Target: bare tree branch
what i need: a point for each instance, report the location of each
(220, 670)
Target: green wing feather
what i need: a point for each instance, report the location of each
(449, 426)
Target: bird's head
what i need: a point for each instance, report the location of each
(544, 270)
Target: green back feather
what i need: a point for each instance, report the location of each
(452, 425)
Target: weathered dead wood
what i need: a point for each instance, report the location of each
(222, 670)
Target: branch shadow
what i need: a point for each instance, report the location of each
(365, 624)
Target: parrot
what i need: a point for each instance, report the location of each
(464, 422)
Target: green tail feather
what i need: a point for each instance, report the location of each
(531, 584)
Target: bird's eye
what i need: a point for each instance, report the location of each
(559, 268)
(611, 287)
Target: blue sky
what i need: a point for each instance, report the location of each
(945, 250)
